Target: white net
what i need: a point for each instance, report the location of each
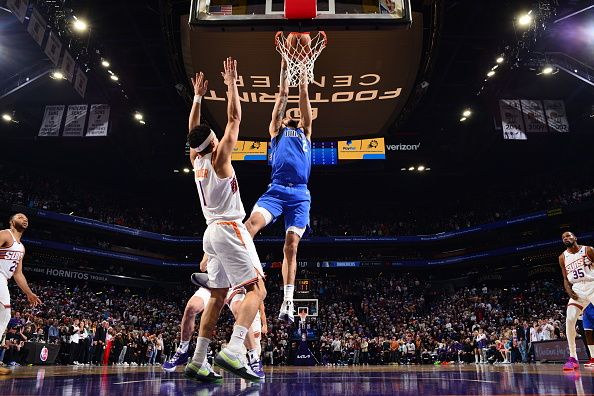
(300, 55)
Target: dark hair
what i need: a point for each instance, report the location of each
(293, 123)
(197, 136)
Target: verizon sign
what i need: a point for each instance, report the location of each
(403, 147)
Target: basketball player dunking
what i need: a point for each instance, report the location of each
(12, 252)
(578, 280)
(232, 258)
(287, 193)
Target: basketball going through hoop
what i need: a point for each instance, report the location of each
(300, 51)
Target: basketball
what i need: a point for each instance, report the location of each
(299, 44)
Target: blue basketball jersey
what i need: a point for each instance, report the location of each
(291, 157)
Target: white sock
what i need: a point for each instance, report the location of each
(183, 346)
(201, 350)
(572, 316)
(591, 348)
(253, 355)
(237, 339)
(288, 290)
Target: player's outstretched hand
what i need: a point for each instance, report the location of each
(33, 299)
(200, 84)
(230, 73)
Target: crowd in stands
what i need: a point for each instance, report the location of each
(387, 219)
(387, 319)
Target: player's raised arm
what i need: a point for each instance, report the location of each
(200, 85)
(280, 105)
(305, 110)
(222, 161)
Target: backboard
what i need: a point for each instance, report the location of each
(331, 14)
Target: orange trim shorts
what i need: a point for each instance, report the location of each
(232, 257)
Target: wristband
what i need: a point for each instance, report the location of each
(197, 99)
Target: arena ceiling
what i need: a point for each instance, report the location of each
(141, 41)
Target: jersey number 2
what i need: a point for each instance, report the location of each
(13, 267)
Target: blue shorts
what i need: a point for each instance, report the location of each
(588, 317)
(292, 201)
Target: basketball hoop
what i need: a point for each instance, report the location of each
(300, 58)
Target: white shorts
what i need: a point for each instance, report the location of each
(232, 257)
(4, 295)
(204, 294)
(585, 292)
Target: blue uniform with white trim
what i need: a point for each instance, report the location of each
(291, 165)
(588, 317)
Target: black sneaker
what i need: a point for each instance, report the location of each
(200, 279)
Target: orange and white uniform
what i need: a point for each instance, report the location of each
(9, 260)
(232, 257)
(581, 275)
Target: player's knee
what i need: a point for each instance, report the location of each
(255, 223)
(258, 288)
(291, 245)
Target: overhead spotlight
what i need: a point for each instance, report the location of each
(176, 171)
(186, 170)
(491, 73)
(402, 169)
(467, 113)
(526, 19)
(80, 24)
(421, 168)
(547, 70)
(462, 119)
(6, 117)
(104, 63)
(412, 168)
(114, 77)
(494, 67)
(57, 75)
(427, 169)
(138, 116)
(142, 122)
(500, 59)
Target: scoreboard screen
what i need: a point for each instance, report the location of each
(324, 153)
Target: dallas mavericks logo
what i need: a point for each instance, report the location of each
(44, 354)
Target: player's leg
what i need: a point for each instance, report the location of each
(238, 253)
(4, 319)
(199, 369)
(588, 323)
(252, 339)
(574, 309)
(296, 222)
(194, 306)
(266, 210)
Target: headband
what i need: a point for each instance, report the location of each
(206, 142)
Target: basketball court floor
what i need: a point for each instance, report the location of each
(541, 379)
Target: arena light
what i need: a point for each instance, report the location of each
(491, 73)
(57, 75)
(463, 119)
(467, 113)
(80, 25)
(143, 122)
(421, 168)
(427, 169)
(526, 19)
(6, 117)
(138, 116)
(186, 170)
(402, 169)
(500, 59)
(494, 67)
(412, 168)
(547, 70)
(104, 63)
(114, 77)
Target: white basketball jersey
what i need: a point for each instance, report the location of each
(578, 266)
(219, 198)
(10, 257)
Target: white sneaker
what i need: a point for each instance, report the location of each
(287, 312)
